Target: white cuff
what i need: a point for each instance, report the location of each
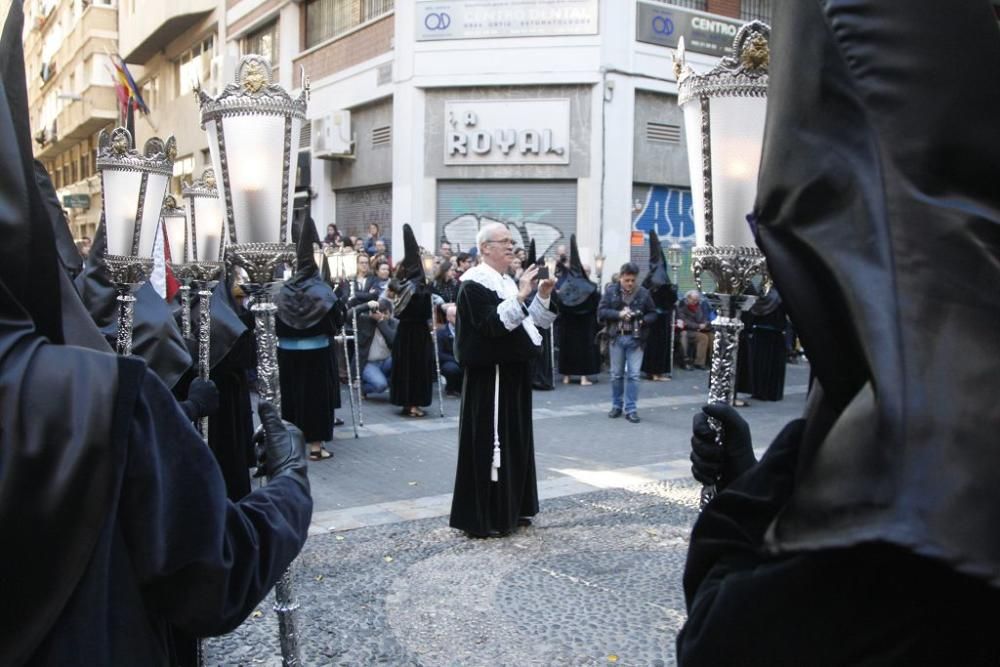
(540, 313)
(511, 313)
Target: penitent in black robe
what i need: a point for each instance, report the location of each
(479, 505)
(412, 377)
(576, 332)
(657, 357)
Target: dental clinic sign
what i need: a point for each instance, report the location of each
(506, 132)
(485, 19)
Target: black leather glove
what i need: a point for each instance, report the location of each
(712, 464)
(202, 400)
(280, 447)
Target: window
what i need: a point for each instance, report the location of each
(263, 42)
(84, 166)
(195, 66)
(151, 92)
(73, 176)
(326, 19)
(759, 10)
(183, 169)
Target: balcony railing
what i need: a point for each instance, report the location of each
(756, 10)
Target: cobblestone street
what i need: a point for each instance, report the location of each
(595, 581)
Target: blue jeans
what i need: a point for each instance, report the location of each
(375, 376)
(626, 361)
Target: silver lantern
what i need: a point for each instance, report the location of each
(133, 185)
(253, 128)
(724, 111)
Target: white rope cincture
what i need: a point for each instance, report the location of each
(494, 470)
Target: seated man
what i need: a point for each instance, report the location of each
(693, 327)
(450, 369)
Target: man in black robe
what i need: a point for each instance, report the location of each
(867, 533)
(578, 297)
(496, 338)
(115, 522)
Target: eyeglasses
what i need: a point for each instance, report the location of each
(506, 242)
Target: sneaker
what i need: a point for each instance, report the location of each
(615, 413)
(632, 418)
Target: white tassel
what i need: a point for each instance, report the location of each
(494, 470)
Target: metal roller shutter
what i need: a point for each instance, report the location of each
(359, 207)
(541, 210)
(667, 210)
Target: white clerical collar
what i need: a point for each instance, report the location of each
(491, 279)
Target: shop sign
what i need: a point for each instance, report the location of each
(664, 25)
(76, 201)
(487, 19)
(506, 132)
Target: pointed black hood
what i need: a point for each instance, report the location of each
(879, 214)
(532, 257)
(411, 267)
(305, 299)
(305, 260)
(576, 290)
(657, 276)
(56, 460)
(29, 263)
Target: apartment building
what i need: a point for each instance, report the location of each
(171, 48)
(71, 96)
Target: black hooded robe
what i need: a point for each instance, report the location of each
(309, 315)
(579, 353)
(657, 357)
(483, 342)
(411, 381)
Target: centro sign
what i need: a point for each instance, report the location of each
(506, 132)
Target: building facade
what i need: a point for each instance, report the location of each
(553, 118)
(71, 96)
(171, 49)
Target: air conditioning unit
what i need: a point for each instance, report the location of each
(331, 136)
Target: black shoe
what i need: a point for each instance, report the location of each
(523, 521)
(632, 417)
(615, 413)
(337, 421)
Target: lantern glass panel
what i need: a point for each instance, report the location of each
(692, 133)
(121, 201)
(737, 126)
(255, 150)
(156, 189)
(209, 225)
(176, 233)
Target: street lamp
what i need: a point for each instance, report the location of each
(674, 260)
(132, 188)
(599, 266)
(253, 127)
(175, 225)
(724, 112)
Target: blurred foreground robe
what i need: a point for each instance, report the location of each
(868, 533)
(114, 518)
(495, 337)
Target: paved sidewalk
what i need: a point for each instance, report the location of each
(596, 580)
